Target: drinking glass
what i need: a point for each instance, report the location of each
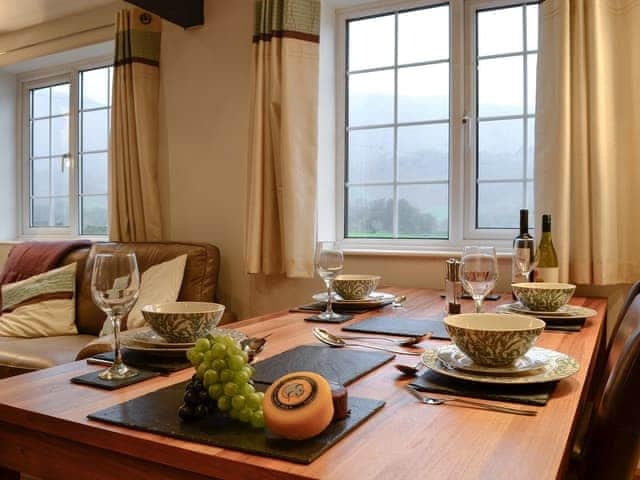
(115, 285)
(329, 264)
(522, 258)
(479, 272)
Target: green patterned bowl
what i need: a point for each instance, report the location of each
(543, 297)
(355, 287)
(180, 322)
(492, 339)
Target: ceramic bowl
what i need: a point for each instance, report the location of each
(543, 297)
(355, 287)
(183, 321)
(492, 339)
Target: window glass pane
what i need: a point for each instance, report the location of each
(371, 42)
(500, 149)
(40, 138)
(500, 86)
(370, 212)
(40, 212)
(40, 177)
(423, 93)
(423, 152)
(499, 204)
(531, 146)
(423, 35)
(371, 98)
(500, 31)
(40, 99)
(60, 175)
(532, 65)
(371, 155)
(95, 88)
(94, 173)
(60, 212)
(59, 135)
(530, 196)
(94, 130)
(423, 211)
(110, 96)
(60, 99)
(532, 27)
(94, 215)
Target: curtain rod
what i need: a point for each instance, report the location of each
(41, 42)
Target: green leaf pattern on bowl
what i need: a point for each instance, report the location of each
(182, 327)
(543, 299)
(484, 347)
(355, 289)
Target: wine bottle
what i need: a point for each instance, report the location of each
(547, 264)
(522, 253)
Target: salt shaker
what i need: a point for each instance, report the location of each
(452, 286)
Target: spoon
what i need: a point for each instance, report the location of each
(408, 369)
(398, 301)
(403, 342)
(253, 346)
(334, 341)
(470, 404)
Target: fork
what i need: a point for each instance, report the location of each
(470, 403)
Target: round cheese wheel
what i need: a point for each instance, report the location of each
(298, 405)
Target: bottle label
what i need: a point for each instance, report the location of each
(549, 275)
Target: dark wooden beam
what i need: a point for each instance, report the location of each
(186, 13)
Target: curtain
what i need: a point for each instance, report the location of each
(588, 136)
(281, 215)
(134, 205)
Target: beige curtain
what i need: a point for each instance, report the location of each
(588, 136)
(134, 205)
(281, 214)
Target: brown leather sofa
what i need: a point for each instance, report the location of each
(20, 355)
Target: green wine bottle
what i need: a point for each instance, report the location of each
(547, 259)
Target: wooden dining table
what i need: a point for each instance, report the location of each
(45, 432)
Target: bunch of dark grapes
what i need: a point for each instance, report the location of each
(197, 402)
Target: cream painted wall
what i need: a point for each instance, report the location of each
(7, 156)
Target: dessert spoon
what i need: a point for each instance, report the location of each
(334, 341)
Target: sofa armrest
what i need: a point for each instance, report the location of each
(99, 345)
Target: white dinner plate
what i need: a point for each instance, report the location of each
(148, 337)
(525, 365)
(556, 367)
(569, 311)
(132, 343)
(375, 297)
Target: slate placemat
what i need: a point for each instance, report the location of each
(341, 365)
(531, 394)
(392, 325)
(156, 412)
(93, 380)
(153, 363)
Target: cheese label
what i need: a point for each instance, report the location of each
(294, 392)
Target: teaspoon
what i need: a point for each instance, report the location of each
(334, 341)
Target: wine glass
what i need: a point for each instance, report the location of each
(329, 264)
(479, 272)
(523, 258)
(115, 285)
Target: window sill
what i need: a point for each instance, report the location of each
(443, 254)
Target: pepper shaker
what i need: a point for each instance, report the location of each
(452, 286)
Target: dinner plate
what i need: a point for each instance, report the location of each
(132, 343)
(375, 297)
(572, 311)
(556, 367)
(528, 363)
(150, 338)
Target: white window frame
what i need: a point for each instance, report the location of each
(68, 72)
(462, 165)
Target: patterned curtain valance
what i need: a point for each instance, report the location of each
(137, 38)
(287, 18)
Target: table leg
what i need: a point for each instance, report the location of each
(6, 474)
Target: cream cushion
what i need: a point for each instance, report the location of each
(159, 284)
(40, 306)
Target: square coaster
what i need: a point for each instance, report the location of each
(338, 318)
(93, 380)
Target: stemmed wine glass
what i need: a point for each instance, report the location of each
(115, 285)
(523, 258)
(479, 272)
(329, 264)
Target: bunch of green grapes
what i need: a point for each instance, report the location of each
(222, 366)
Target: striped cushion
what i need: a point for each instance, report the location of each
(40, 306)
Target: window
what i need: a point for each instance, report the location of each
(436, 129)
(66, 120)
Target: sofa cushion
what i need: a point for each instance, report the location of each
(29, 354)
(198, 284)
